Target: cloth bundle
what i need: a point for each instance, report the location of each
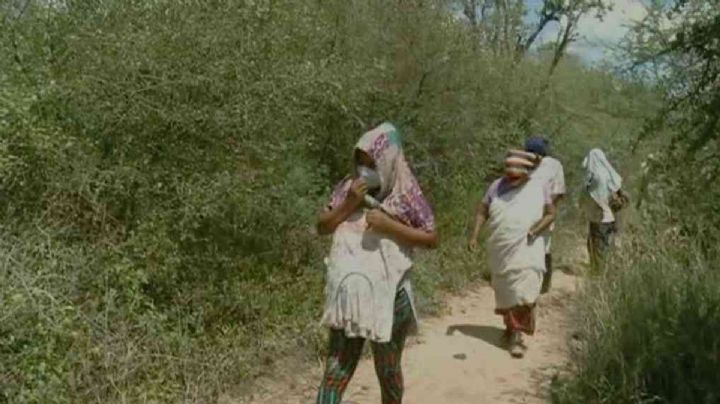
(519, 163)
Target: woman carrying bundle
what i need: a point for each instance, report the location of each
(377, 216)
(517, 212)
(603, 198)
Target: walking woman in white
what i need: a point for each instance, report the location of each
(603, 198)
(517, 212)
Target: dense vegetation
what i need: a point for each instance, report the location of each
(161, 163)
(650, 327)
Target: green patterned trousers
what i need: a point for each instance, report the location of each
(344, 355)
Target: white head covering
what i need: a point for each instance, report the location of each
(601, 179)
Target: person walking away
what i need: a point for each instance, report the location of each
(517, 212)
(377, 216)
(549, 172)
(602, 188)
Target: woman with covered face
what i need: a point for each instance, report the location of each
(517, 211)
(377, 216)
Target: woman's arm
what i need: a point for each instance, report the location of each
(548, 217)
(481, 217)
(381, 222)
(329, 220)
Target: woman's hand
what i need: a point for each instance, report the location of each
(356, 194)
(531, 236)
(472, 245)
(329, 220)
(378, 221)
(542, 225)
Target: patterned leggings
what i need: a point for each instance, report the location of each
(601, 239)
(344, 355)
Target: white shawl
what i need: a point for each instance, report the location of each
(601, 179)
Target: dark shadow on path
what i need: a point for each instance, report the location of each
(491, 335)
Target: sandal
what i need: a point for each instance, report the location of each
(516, 347)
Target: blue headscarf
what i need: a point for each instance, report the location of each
(537, 145)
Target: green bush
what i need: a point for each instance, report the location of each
(161, 164)
(649, 328)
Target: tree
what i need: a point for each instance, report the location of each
(495, 22)
(551, 12)
(679, 46)
(499, 23)
(572, 11)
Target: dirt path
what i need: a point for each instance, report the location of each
(459, 358)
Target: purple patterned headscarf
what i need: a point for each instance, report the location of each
(400, 192)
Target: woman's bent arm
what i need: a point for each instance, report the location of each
(381, 222)
(329, 220)
(544, 222)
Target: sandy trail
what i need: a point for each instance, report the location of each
(459, 358)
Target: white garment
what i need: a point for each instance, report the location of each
(596, 213)
(516, 264)
(364, 271)
(550, 173)
(517, 287)
(601, 182)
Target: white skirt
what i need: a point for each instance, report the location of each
(516, 287)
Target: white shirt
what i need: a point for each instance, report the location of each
(551, 175)
(550, 171)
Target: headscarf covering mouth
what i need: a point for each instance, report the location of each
(384, 146)
(399, 194)
(537, 145)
